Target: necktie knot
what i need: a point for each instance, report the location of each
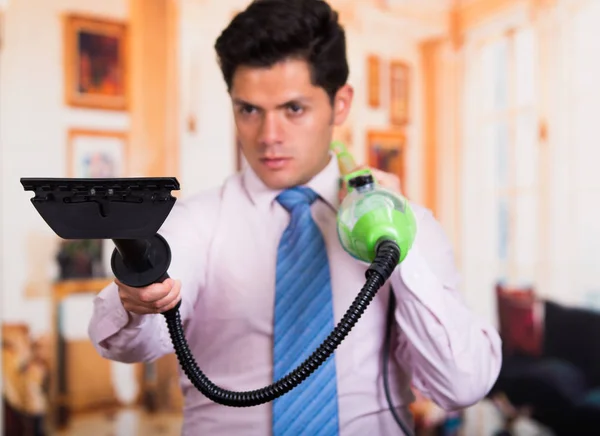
(299, 195)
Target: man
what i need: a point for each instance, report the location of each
(250, 297)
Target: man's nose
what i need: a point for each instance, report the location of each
(271, 132)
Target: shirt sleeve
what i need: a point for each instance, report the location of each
(126, 337)
(454, 355)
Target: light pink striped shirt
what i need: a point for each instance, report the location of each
(224, 243)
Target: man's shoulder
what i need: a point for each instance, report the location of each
(430, 230)
(420, 211)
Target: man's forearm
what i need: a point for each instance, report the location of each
(454, 356)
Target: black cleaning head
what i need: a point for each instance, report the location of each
(115, 208)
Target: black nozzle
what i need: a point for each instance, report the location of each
(362, 180)
(130, 211)
(117, 208)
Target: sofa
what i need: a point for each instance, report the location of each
(551, 363)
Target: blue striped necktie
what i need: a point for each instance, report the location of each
(303, 319)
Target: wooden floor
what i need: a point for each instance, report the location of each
(125, 422)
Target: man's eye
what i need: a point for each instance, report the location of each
(295, 109)
(247, 110)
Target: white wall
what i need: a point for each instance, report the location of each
(575, 185)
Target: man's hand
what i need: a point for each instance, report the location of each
(387, 180)
(156, 298)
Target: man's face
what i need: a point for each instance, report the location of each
(285, 123)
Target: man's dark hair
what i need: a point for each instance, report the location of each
(270, 31)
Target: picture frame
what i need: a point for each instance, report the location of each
(97, 153)
(399, 93)
(374, 81)
(386, 150)
(95, 63)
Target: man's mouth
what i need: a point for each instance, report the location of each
(275, 162)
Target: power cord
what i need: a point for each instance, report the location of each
(386, 359)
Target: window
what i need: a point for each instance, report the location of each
(508, 119)
(502, 143)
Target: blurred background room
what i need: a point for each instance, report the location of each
(488, 110)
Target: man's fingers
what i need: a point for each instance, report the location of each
(137, 309)
(155, 298)
(160, 306)
(171, 305)
(169, 300)
(149, 294)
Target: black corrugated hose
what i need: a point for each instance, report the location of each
(388, 254)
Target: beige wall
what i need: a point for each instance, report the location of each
(35, 120)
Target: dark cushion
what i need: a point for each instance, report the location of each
(586, 415)
(570, 334)
(544, 384)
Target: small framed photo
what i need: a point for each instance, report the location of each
(374, 81)
(96, 69)
(97, 154)
(399, 93)
(386, 150)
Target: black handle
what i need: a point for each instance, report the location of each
(140, 262)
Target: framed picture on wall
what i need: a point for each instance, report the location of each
(386, 150)
(95, 63)
(96, 153)
(399, 93)
(374, 81)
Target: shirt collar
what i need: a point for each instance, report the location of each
(325, 184)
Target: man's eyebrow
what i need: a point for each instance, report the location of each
(240, 102)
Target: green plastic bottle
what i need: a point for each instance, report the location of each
(370, 214)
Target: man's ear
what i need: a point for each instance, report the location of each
(342, 103)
